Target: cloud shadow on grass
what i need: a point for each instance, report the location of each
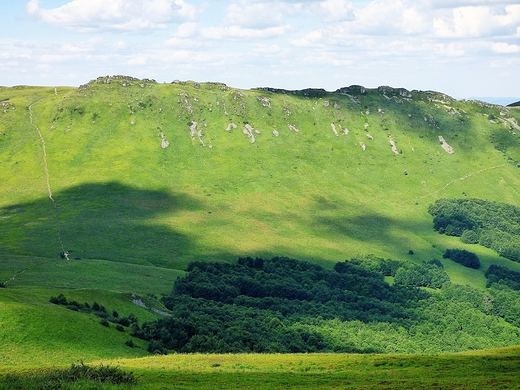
(109, 221)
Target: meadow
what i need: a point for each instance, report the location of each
(110, 190)
(492, 369)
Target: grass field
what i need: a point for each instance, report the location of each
(493, 369)
(131, 214)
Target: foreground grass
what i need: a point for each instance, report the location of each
(492, 369)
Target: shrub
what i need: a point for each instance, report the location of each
(120, 328)
(104, 322)
(464, 257)
(90, 377)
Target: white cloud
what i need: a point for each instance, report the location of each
(337, 10)
(449, 50)
(477, 21)
(505, 48)
(238, 32)
(122, 15)
(310, 39)
(267, 49)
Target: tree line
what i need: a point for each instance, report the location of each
(491, 224)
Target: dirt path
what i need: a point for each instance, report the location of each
(14, 276)
(460, 179)
(47, 180)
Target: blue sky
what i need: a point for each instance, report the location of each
(464, 48)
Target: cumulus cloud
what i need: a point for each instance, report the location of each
(122, 15)
(337, 10)
(502, 47)
(478, 21)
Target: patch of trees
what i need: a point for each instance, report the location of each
(491, 224)
(462, 256)
(502, 276)
(98, 310)
(256, 306)
(428, 274)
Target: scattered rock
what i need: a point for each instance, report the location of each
(231, 126)
(445, 145)
(160, 312)
(513, 122)
(334, 129)
(363, 146)
(276, 134)
(369, 136)
(326, 103)
(352, 90)
(164, 142)
(137, 301)
(248, 130)
(266, 102)
(293, 128)
(196, 133)
(392, 143)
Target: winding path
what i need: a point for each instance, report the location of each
(47, 179)
(460, 179)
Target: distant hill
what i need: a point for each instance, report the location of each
(503, 101)
(516, 104)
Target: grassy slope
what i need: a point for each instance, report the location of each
(132, 214)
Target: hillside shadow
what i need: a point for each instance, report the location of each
(339, 220)
(391, 235)
(109, 221)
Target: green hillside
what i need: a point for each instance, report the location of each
(113, 188)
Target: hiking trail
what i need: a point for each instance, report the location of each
(461, 179)
(64, 253)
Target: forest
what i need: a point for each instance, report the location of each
(285, 305)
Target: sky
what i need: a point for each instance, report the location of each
(464, 48)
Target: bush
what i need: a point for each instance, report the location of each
(104, 322)
(90, 377)
(463, 257)
(120, 328)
